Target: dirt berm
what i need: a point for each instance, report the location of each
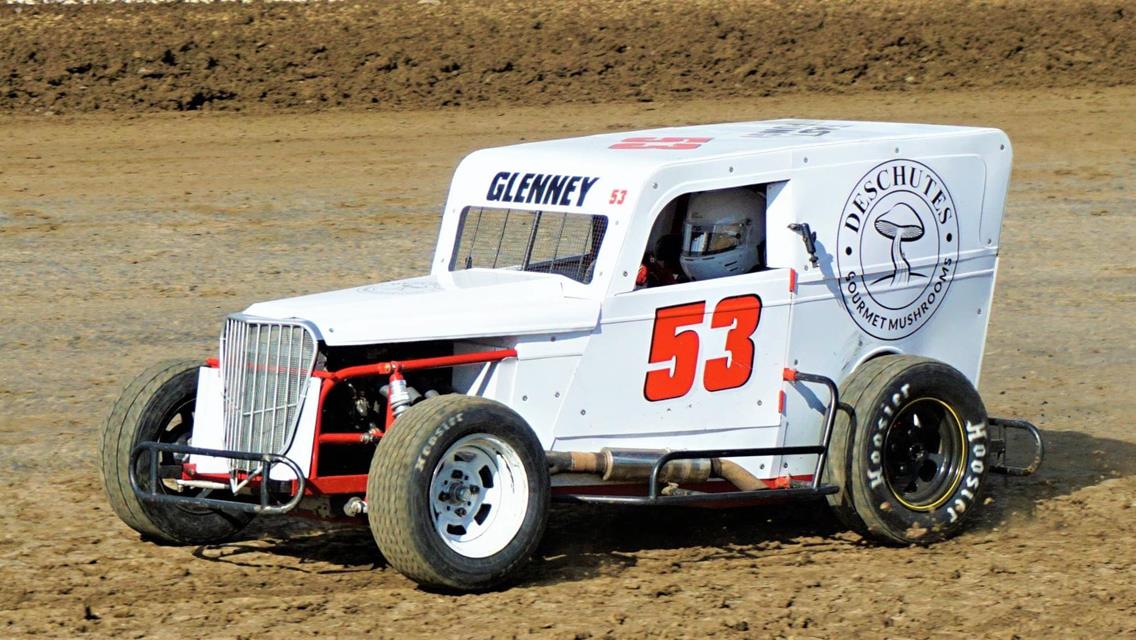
(432, 54)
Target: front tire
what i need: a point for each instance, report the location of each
(909, 452)
(458, 493)
(158, 406)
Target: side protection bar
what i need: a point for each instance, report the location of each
(815, 489)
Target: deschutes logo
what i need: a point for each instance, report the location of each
(897, 248)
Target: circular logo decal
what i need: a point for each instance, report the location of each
(897, 248)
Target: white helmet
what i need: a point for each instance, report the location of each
(722, 233)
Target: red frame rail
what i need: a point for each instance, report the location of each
(333, 485)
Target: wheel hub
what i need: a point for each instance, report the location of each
(917, 452)
(923, 448)
(479, 495)
(458, 493)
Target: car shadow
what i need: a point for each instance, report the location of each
(1073, 461)
(587, 541)
(583, 542)
(295, 544)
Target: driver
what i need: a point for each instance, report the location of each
(723, 233)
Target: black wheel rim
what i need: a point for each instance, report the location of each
(177, 428)
(923, 454)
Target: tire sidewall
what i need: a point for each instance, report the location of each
(173, 393)
(503, 423)
(898, 522)
(184, 525)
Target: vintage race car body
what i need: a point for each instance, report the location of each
(703, 315)
(601, 362)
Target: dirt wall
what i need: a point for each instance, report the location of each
(430, 54)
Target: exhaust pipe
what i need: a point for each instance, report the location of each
(627, 464)
(733, 473)
(636, 464)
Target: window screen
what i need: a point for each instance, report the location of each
(561, 243)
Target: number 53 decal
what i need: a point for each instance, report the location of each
(667, 142)
(677, 347)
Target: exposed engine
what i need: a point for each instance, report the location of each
(359, 405)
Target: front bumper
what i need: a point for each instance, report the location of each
(273, 497)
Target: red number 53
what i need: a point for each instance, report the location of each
(677, 347)
(667, 142)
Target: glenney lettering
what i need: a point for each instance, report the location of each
(539, 188)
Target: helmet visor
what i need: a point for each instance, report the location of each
(708, 239)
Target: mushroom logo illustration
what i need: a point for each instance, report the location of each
(900, 224)
(904, 209)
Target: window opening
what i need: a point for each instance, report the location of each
(539, 241)
(706, 235)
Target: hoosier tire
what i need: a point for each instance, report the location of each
(909, 451)
(158, 406)
(458, 493)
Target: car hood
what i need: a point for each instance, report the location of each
(449, 305)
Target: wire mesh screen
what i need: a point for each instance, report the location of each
(265, 368)
(561, 243)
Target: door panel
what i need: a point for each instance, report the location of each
(698, 356)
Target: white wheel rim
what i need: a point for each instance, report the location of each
(479, 495)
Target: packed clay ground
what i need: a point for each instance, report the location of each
(407, 54)
(126, 237)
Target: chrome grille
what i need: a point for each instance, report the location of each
(265, 369)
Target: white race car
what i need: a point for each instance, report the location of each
(702, 315)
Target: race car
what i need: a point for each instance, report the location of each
(707, 315)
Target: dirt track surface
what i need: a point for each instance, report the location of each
(407, 54)
(125, 240)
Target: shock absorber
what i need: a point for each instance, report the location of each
(398, 396)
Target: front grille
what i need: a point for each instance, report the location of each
(265, 369)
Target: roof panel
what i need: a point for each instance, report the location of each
(703, 142)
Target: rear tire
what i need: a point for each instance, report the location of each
(158, 405)
(458, 493)
(909, 451)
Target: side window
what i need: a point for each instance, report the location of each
(706, 235)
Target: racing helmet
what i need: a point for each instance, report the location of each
(723, 232)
